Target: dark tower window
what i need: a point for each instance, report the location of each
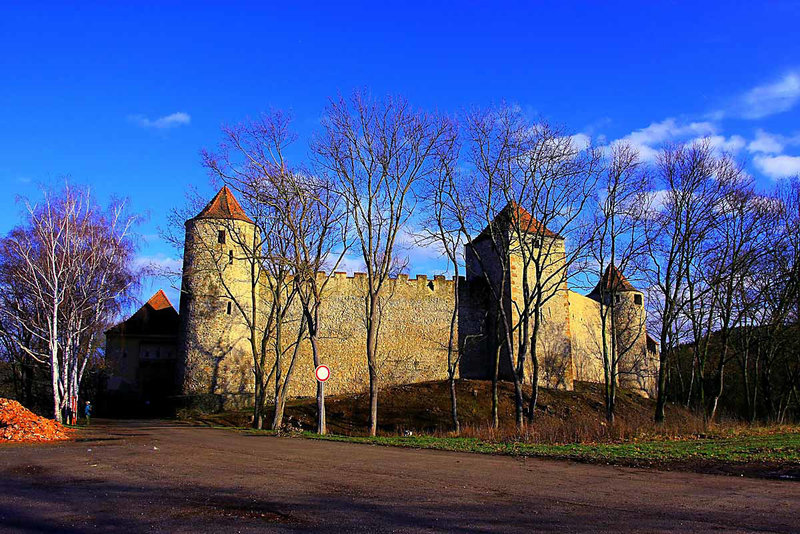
(618, 299)
(230, 257)
(637, 299)
(229, 308)
(221, 237)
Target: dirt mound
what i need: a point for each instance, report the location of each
(17, 423)
(424, 408)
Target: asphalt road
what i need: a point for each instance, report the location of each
(165, 477)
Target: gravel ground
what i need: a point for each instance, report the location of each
(134, 476)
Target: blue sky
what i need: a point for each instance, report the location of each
(123, 97)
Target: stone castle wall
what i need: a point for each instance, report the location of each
(587, 337)
(215, 348)
(414, 330)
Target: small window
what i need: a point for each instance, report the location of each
(221, 237)
(637, 299)
(537, 243)
(229, 308)
(618, 299)
(230, 257)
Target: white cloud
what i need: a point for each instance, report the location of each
(160, 264)
(668, 129)
(647, 140)
(767, 143)
(581, 140)
(351, 264)
(162, 123)
(769, 99)
(720, 143)
(778, 166)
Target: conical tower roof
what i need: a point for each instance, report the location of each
(224, 206)
(612, 281)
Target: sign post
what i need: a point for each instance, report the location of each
(322, 373)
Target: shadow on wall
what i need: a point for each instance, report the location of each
(475, 326)
(213, 375)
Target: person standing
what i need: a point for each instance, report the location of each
(87, 410)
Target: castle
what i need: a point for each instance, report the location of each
(214, 357)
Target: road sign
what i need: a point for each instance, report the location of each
(323, 373)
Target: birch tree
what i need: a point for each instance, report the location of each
(75, 261)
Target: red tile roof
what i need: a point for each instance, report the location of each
(612, 281)
(159, 301)
(156, 318)
(224, 206)
(513, 216)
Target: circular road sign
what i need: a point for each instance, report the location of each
(323, 373)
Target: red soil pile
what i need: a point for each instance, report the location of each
(17, 423)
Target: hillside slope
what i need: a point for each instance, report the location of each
(562, 416)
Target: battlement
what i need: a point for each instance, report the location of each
(435, 284)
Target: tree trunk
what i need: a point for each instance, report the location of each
(280, 403)
(372, 345)
(661, 395)
(534, 383)
(718, 382)
(495, 399)
(321, 422)
(454, 405)
(452, 365)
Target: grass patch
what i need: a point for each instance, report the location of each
(569, 425)
(777, 448)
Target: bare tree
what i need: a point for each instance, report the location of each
(740, 237)
(442, 228)
(75, 261)
(766, 340)
(529, 191)
(681, 217)
(250, 160)
(313, 214)
(377, 151)
(617, 247)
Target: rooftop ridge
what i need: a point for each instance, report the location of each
(159, 301)
(224, 206)
(612, 281)
(513, 213)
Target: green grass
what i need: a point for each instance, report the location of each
(779, 448)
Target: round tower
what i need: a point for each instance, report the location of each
(216, 298)
(630, 329)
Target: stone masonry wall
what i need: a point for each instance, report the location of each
(215, 348)
(413, 334)
(587, 339)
